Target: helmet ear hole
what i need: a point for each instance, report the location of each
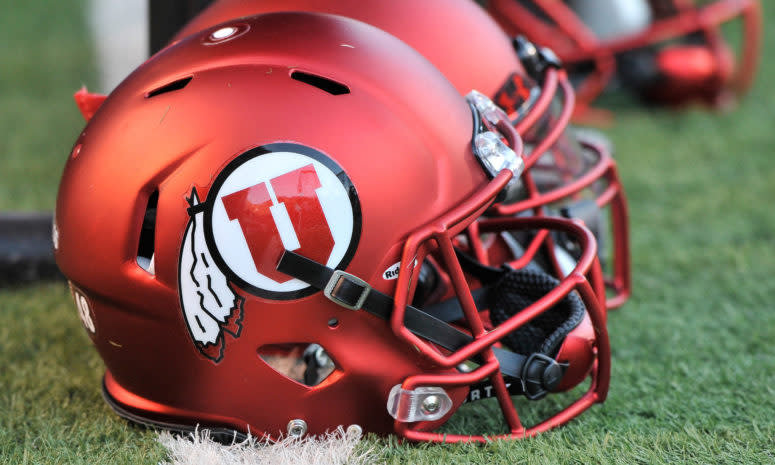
(304, 363)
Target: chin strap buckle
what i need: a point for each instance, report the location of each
(540, 375)
(347, 290)
(535, 59)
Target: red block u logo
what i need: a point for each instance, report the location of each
(290, 216)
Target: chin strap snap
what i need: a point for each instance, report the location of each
(541, 375)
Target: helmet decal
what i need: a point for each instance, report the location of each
(84, 309)
(517, 94)
(210, 306)
(277, 197)
(269, 199)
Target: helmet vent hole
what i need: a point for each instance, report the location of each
(171, 87)
(305, 363)
(324, 84)
(145, 246)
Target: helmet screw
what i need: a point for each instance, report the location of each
(354, 431)
(431, 404)
(223, 33)
(297, 428)
(464, 368)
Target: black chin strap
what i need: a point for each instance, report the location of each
(538, 374)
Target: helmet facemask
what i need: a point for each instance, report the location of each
(514, 311)
(567, 174)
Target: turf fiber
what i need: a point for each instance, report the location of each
(693, 376)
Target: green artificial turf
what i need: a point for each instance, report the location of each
(693, 377)
(45, 56)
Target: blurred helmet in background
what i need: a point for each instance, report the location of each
(667, 51)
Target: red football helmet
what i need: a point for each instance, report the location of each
(274, 225)
(565, 173)
(669, 51)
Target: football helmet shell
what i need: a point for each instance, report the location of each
(330, 150)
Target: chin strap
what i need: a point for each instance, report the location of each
(505, 293)
(537, 374)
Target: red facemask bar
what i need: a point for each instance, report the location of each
(601, 186)
(575, 43)
(544, 123)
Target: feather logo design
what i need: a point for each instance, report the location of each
(210, 307)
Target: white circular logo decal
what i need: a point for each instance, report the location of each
(274, 198)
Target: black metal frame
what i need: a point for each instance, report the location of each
(166, 17)
(26, 248)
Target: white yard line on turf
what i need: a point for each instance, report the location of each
(337, 448)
